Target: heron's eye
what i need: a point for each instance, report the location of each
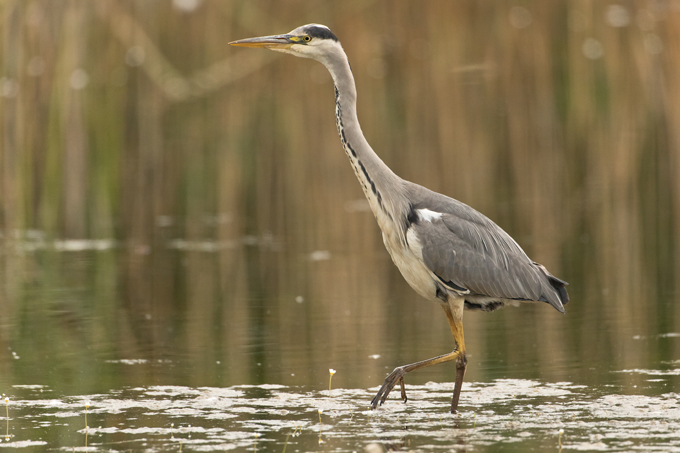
(307, 38)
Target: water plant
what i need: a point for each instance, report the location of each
(285, 444)
(87, 428)
(559, 439)
(332, 372)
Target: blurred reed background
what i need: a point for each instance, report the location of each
(218, 175)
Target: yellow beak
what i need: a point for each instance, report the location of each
(268, 42)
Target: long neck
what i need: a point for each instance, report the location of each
(375, 177)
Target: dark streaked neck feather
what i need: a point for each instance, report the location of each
(375, 177)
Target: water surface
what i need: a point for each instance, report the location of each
(151, 379)
(184, 246)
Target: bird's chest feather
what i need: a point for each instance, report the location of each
(406, 253)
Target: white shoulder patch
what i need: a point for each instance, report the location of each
(428, 216)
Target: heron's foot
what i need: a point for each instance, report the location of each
(390, 382)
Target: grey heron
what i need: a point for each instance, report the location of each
(447, 251)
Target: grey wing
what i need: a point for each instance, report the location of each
(478, 256)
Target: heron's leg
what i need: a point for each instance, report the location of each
(397, 376)
(454, 313)
(403, 389)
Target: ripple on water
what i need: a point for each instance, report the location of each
(504, 412)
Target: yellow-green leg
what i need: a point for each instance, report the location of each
(454, 313)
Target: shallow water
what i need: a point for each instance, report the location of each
(85, 369)
(184, 245)
(504, 415)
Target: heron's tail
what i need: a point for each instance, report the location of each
(559, 285)
(559, 296)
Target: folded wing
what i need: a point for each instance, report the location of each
(467, 251)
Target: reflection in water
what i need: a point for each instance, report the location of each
(507, 412)
(153, 211)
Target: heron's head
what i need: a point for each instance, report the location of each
(309, 41)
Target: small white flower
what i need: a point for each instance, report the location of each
(331, 370)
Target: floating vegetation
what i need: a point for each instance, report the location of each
(276, 418)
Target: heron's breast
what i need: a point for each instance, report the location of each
(408, 258)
